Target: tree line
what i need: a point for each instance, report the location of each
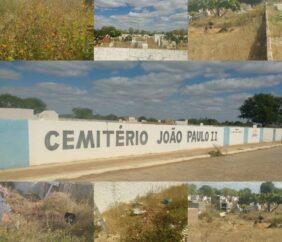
(219, 7)
(262, 109)
(174, 35)
(268, 194)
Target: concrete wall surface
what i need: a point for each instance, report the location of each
(254, 135)
(14, 147)
(268, 134)
(110, 54)
(64, 143)
(16, 113)
(36, 142)
(236, 136)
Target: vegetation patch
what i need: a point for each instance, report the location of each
(226, 30)
(216, 153)
(46, 30)
(56, 218)
(228, 214)
(155, 217)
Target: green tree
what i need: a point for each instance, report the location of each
(206, 190)
(266, 190)
(251, 2)
(10, 101)
(192, 189)
(262, 108)
(82, 113)
(131, 30)
(152, 120)
(267, 187)
(217, 7)
(99, 34)
(36, 104)
(142, 118)
(228, 192)
(246, 196)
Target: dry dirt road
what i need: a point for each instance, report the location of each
(261, 165)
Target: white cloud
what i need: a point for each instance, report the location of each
(232, 85)
(59, 68)
(9, 74)
(160, 89)
(154, 15)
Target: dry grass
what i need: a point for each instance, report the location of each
(238, 41)
(43, 220)
(46, 30)
(275, 26)
(160, 223)
(236, 228)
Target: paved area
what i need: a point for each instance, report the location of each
(180, 165)
(261, 165)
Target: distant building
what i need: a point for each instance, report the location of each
(124, 37)
(199, 202)
(181, 122)
(169, 122)
(48, 115)
(254, 207)
(227, 203)
(158, 38)
(131, 119)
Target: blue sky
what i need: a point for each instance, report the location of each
(162, 90)
(153, 15)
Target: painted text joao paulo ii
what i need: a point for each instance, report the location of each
(70, 139)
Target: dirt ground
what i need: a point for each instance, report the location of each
(241, 41)
(233, 228)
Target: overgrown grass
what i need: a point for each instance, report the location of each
(234, 227)
(160, 222)
(232, 37)
(216, 152)
(229, 20)
(46, 30)
(275, 26)
(44, 221)
(209, 215)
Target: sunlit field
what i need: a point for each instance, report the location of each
(46, 30)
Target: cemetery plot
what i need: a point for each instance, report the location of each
(46, 211)
(157, 215)
(231, 31)
(235, 212)
(134, 30)
(115, 38)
